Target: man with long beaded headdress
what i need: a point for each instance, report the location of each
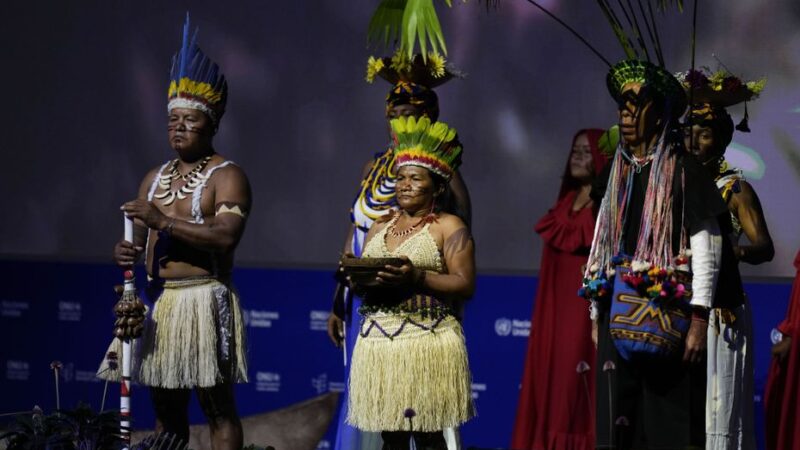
(657, 242)
(729, 417)
(654, 263)
(655, 256)
(190, 214)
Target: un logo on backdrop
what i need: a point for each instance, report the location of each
(320, 383)
(502, 326)
(775, 336)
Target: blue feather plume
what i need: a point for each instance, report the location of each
(190, 62)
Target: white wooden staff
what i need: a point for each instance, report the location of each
(128, 294)
(130, 312)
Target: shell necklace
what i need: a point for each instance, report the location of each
(193, 179)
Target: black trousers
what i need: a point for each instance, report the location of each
(648, 403)
(401, 440)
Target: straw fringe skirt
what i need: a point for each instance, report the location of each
(194, 338)
(407, 361)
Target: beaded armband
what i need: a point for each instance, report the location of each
(231, 208)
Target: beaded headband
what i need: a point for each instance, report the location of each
(647, 74)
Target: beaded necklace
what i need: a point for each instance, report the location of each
(400, 234)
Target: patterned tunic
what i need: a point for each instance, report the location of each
(375, 198)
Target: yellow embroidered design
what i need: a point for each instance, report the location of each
(645, 310)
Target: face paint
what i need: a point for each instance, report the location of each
(638, 120)
(189, 129)
(415, 188)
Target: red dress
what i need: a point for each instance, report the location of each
(782, 395)
(556, 403)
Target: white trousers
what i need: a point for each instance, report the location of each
(729, 392)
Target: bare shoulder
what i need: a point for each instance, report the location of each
(228, 175)
(451, 228)
(149, 178)
(449, 223)
(746, 188)
(456, 236)
(378, 225)
(227, 170)
(154, 172)
(376, 228)
(229, 183)
(746, 195)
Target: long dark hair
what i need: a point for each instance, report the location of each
(446, 201)
(599, 160)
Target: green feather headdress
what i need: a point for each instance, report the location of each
(432, 145)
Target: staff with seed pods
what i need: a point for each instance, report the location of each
(130, 312)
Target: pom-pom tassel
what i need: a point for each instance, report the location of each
(743, 125)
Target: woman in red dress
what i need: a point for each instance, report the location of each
(782, 395)
(556, 402)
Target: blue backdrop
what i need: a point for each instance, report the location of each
(62, 311)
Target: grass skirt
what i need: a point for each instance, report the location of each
(404, 361)
(194, 338)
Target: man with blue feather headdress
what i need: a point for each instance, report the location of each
(190, 215)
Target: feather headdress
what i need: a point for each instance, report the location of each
(195, 80)
(423, 143)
